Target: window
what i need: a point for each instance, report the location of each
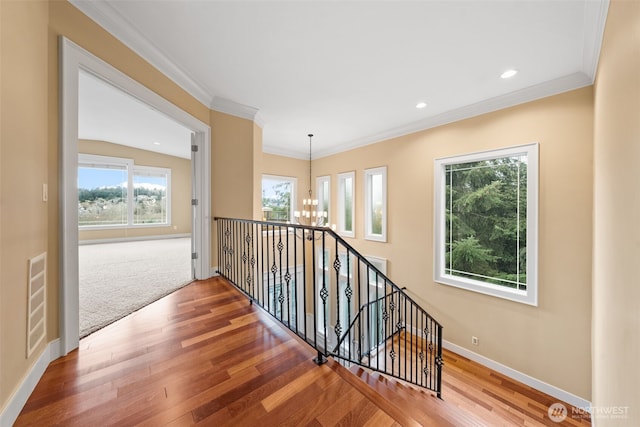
(278, 198)
(104, 199)
(486, 213)
(346, 185)
(376, 303)
(290, 310)
(323, 192)
(375, 204)
(340, 305)
(323, 279)
(151, 190)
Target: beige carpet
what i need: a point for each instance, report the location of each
(117, 279)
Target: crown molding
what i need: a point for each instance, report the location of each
(532, 93)
(120, 27)
(595, 14)
(278, 151)
(233, 108)
(595, 18)
(259, 120)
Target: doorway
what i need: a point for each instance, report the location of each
(74, 61)
(134, 204)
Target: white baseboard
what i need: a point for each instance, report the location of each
(134, 239)
(539, 385)
(214, 271)
(17, 401)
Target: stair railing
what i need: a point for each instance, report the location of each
(331, 296)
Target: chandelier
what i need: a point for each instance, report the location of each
(310, 214)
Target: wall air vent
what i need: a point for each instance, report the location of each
(37, 315)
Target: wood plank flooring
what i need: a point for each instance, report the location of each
(204, 356)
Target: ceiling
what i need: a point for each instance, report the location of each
(106, 113)
(352, 72)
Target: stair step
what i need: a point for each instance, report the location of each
(409, 406)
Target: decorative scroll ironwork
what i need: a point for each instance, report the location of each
(346, 309)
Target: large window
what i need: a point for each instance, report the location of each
(375, 204)
(278, 198)
(104, 199)
(346, 204)
(486, 211)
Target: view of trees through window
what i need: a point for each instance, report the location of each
(277, 198)
(376, 204)
(346, 183)
(348, 204)
(486, 221)
(102, 200)
(375, 182)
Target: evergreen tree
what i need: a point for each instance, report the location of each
(486, 220)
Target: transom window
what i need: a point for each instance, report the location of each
(486, 210)
(104, 199)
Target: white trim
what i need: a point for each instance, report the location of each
(528, 296)
(341, 207)
(368, 176)
(20, 396)
(132, 170)
(378, 262)
(539, 385)
(233, 108)
(115, 23)
(321, 196)
(294, 190)
(595, 16)
(73, 59)
(522, 96)
(133, 239)
(119, 25)
(286, 152)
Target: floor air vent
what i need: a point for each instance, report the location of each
(36, 323)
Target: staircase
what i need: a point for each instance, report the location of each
(332, 297)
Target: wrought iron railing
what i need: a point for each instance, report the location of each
(331, 296)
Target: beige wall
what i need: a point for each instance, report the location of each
(550, 342)
(180, 190)
(23, 170)
(30, 149)
(616, 284)
(232, 176)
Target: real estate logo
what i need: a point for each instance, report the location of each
(557, 412)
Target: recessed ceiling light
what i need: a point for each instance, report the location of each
(156, 143)
(508, 74)
(421, 105)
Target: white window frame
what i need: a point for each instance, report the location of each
(320, 184)
(342, 180)
(528, 296)
(294, 185)
(269, 288)
(128, 165)
(368, 204)
(153, 171)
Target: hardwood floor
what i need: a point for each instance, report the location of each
(204, 356)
